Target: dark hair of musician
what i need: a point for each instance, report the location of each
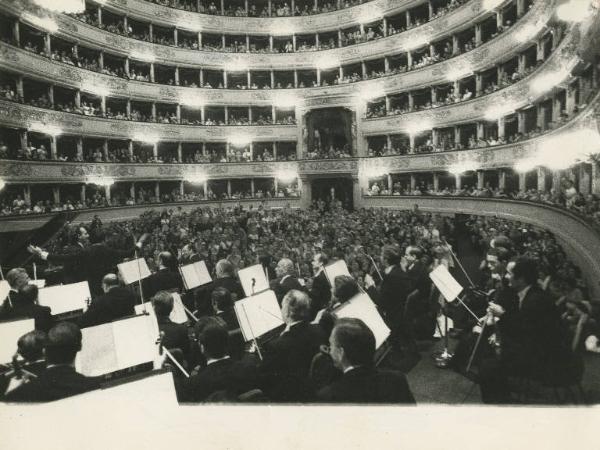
(63, 343)
(417, 252)
(29, 294)
(167, 260)
(356, 339)
(214, 340)
(162, 303)
(221, 298)
(526, 269)
(31, 345)
(391, 255)
(345, 287)
(322, 258)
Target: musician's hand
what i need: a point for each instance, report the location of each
(159, 361)
(495, 309)
(369, 282)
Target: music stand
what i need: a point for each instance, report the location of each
(253, 280)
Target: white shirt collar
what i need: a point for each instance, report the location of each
(290, 325)
(213, 360)
(283, 278)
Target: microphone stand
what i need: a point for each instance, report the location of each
(252, 332)
(136, 256)
(373, 262)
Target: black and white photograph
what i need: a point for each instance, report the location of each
(290, 224)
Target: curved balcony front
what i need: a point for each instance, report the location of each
(170, 17)
(529, 25)
(485, 158)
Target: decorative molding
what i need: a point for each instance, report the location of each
(165, 16)
(18, 115)
(492, 51)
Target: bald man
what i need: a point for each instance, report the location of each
(286, 279)
(117, 302)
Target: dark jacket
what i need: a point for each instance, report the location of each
(320, 293)
(368, 385)
(162, 280)
(395, 287)
(89, 263)
(283, 287)
(52, 384)
(203, 297)
(230, 375)
(287, 360)
(21, 310)
(531, 333)
(175, 335)
(116, 303)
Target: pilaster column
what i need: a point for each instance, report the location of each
(501, 179)
(541, 179)
(522, 180)
(480, 179)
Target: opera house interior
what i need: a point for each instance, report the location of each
(266, 202)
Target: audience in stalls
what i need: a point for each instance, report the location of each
(233, 238)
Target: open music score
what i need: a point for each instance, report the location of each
(132, 271)
(445, 282)
(10, 332)
(195, 275)
(362, 307)
(117, 345)
(65, 298)
(253, 279)
(258, 314)
(335, 269)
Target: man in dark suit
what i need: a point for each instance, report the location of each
(24, 306)
(319, 290)
(223, 307)
(60, 379)
(116, 302)
(225, 278)
(165, 279)
(287, 359)
(30, 349)
(85, 262)
(533, 342)
(391, 295)
(352, 349)
(174, 335)
(221, 372)
(286, 279)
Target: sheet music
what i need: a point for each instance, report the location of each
(135, 340)
(132, 271)
(10, 332)
(335, 269)
(39, 283)
(445, 282)
(156, 391)
(98, 355)
(257, 273)
(362, 307)
(65, 298)
(258, 314)
(117, 345)
(195, 275)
